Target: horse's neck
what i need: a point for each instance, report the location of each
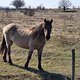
(41, 30)
(38, 31)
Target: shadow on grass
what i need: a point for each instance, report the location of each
(44, 74)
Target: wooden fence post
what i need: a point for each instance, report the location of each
(73, 64)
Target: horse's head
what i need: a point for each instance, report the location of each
(48, 27)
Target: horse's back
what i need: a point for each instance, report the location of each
(15, 27)
(17, 34)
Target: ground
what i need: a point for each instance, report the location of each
(56, 57)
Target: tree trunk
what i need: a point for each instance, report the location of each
(64, 8)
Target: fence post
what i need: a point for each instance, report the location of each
(73, 64)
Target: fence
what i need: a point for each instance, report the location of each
(73, 64)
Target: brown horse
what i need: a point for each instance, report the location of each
(31, 39)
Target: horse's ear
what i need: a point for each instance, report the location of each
(51, 20)
(44, 20)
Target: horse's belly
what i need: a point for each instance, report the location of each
(22, 42)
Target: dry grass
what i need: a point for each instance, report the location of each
(56, 59)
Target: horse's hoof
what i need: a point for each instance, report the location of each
(26, 66)
(10, 63)
(5, 60)
(40, 68)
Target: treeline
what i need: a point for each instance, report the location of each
(26, 11)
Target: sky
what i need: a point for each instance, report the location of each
(35, 3)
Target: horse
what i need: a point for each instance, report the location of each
(28, 38)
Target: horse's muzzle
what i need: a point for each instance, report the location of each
(47, 38)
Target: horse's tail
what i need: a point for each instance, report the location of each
(3, 45)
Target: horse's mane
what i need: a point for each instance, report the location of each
(38, 27)
(41, 26)
(37, 30)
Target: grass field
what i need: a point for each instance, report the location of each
(56, 57)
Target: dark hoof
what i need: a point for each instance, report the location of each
(26, 66)
(10, 63)
(5, 60)
(40, 68)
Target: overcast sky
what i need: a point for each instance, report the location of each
(35, 3)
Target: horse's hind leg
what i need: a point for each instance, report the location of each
(5, 53)
(9, 54)
(8, 44)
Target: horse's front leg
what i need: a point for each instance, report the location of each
(29, 57)
(39, 59)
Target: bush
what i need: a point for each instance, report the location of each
(29, 12)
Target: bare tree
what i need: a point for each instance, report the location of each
(18, 3)
(65, 4)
